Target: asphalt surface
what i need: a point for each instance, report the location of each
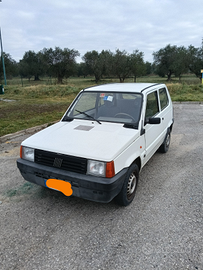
(161, 229)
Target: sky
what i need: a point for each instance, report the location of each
(86, 25)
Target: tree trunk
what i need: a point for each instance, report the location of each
(121, 80)
(60, 80)
(180, 79)
(97, 79)
(37, 77)
(169, 76)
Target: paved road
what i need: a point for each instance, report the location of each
(161, 229)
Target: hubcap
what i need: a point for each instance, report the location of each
(168, 140)
(131, 185)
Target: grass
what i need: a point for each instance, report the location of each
(25, 188)
(36, 103)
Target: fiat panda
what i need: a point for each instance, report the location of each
(102, 142)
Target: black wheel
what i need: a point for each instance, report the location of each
(127, 193)
(165, 145)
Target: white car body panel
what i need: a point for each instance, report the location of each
(102, 142)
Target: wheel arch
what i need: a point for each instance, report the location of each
(171, 127)
(138, 162)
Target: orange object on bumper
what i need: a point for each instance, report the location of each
(60, 185)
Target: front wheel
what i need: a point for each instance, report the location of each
(127, 193)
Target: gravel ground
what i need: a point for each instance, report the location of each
(161, 229)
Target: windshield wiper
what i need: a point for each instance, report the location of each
(89, 116)
(131, 125)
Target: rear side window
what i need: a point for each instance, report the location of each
(163, 98)
(152, 105)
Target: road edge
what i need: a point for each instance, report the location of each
(31, 130)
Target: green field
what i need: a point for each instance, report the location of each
(34, 103)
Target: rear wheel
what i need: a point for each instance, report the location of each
(127, 193)
(165, 146)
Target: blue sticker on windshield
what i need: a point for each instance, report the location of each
(109, 98)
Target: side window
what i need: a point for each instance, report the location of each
(152, 105)
(163, 98)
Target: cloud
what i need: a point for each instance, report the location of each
(101, 24)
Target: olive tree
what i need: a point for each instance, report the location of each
(60, 63)
(195, 58)
(164, 61)
(98, 64)
(171, 60)
(137, 64)
(181, 62)
(121, 66)
(11, 66)
(31, 65)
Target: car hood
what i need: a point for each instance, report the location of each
(84, 138)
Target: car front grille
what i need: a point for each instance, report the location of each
(64, 162)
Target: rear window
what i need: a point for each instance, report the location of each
(163, 98)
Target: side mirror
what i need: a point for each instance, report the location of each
(153, 120)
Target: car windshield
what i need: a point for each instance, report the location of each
(106, 106)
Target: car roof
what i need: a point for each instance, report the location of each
(123, 87)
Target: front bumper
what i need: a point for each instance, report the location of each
(88, 187)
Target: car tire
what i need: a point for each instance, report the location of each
(165, 145)
(127, 193)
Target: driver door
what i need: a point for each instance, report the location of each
(153, 132)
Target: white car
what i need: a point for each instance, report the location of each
(106, 136)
